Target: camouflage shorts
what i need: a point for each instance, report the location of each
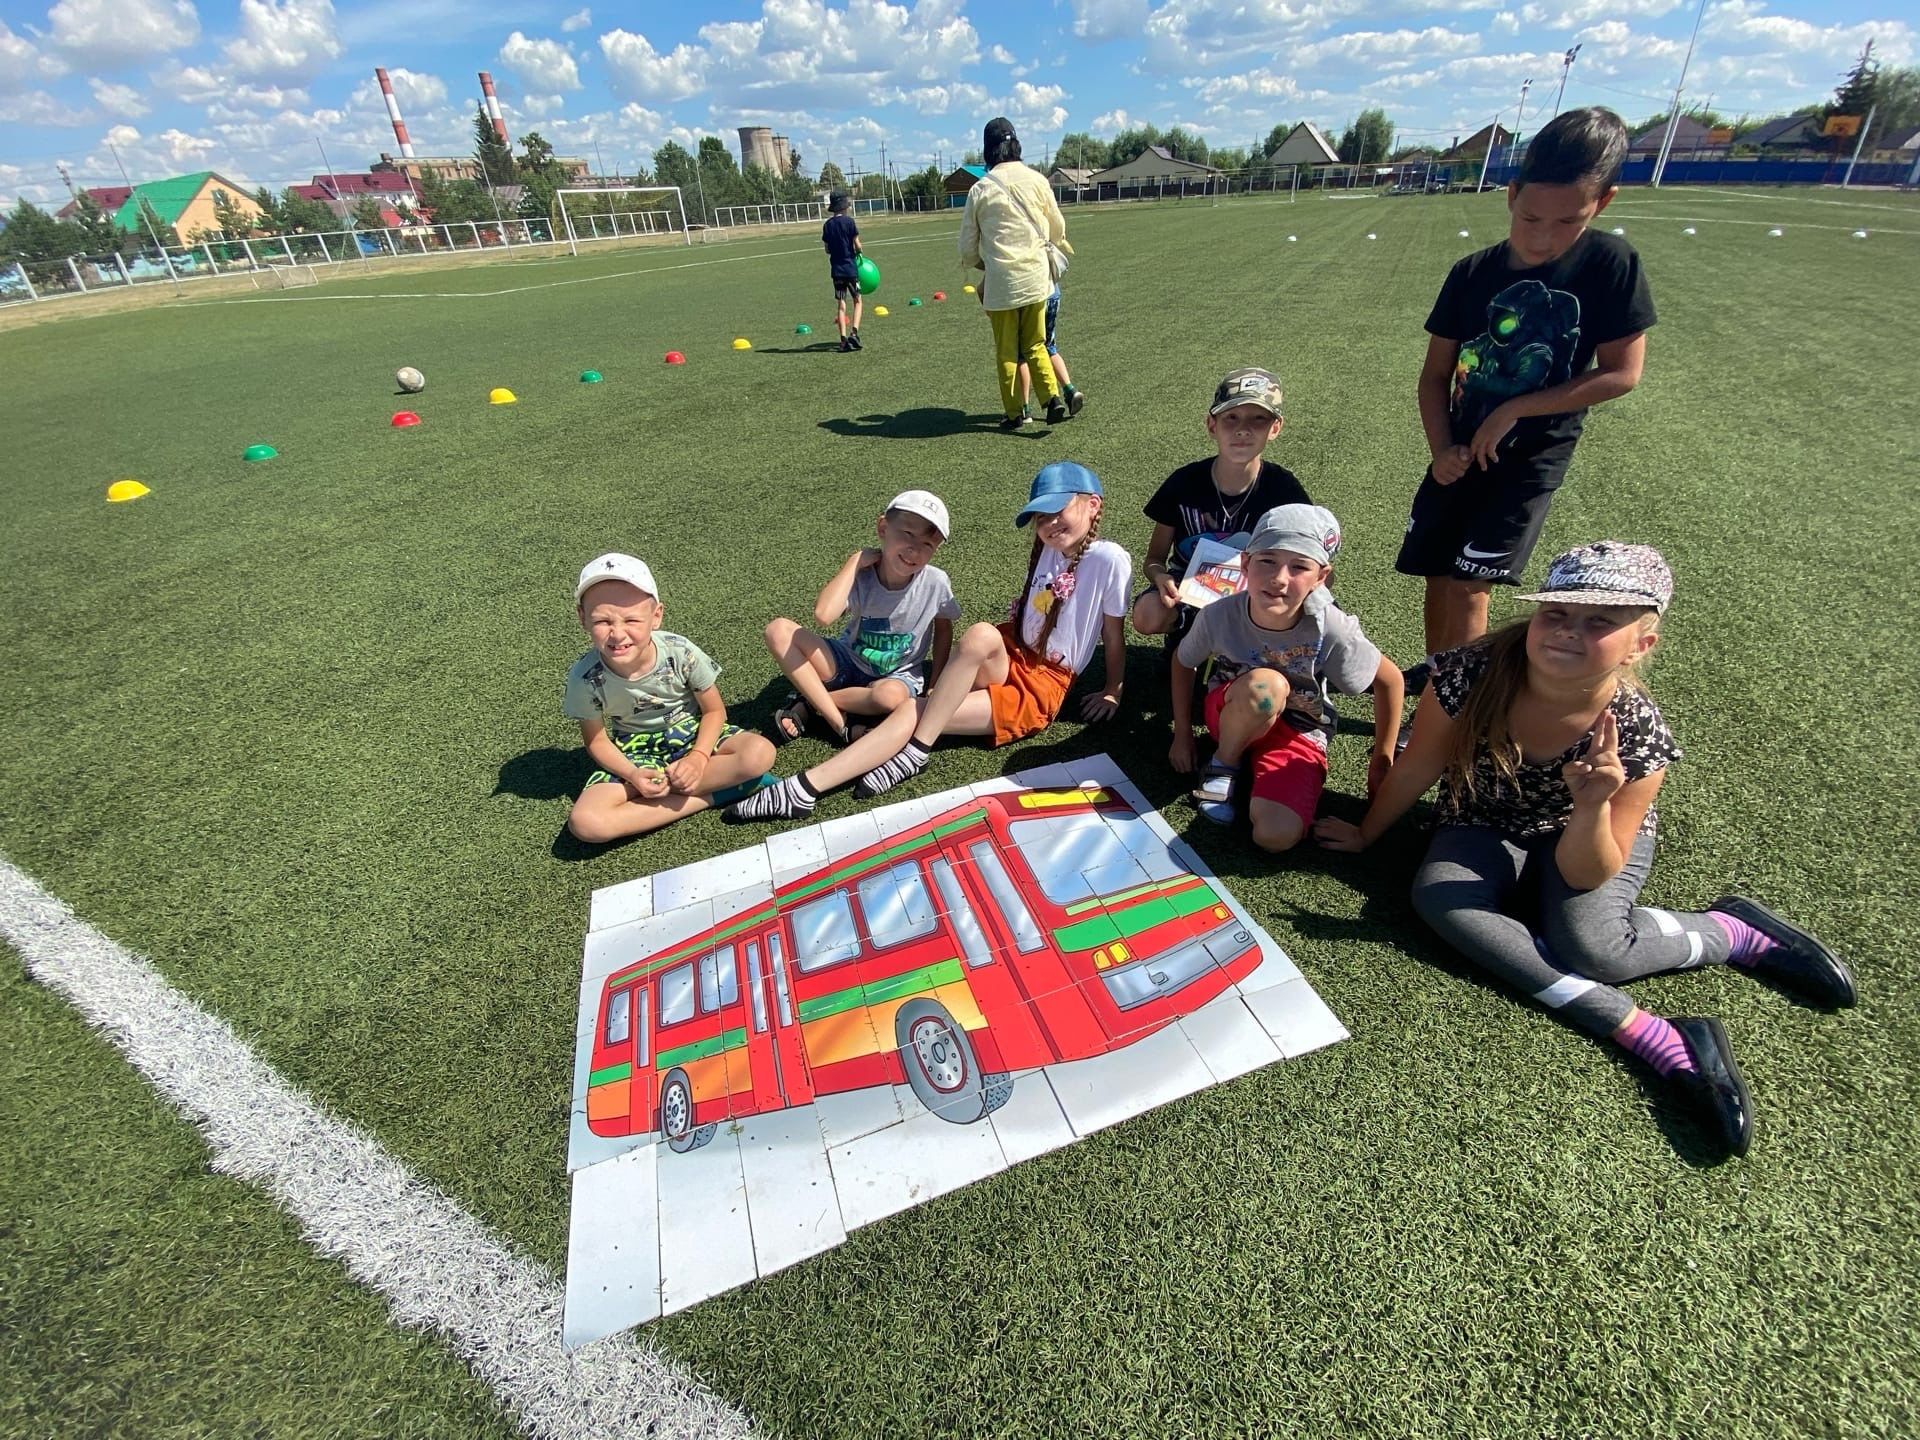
(657, 749)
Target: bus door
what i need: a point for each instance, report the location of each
(774, 1040)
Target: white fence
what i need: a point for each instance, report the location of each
(35, 280)
(736, 217)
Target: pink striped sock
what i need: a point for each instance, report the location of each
(1746, 943)
(1654, 1041)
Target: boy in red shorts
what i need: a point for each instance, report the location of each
(1277, 651)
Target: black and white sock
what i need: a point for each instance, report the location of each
(789, 799)
(882, 778)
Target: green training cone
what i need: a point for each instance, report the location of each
(803, 329)
(869, 274)
(259, 452)
(590, 377)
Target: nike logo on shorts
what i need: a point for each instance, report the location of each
(1467, 552)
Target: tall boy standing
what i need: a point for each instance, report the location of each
(841, 236)
(1507, 384)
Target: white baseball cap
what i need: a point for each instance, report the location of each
(927, 505)
(615, 566)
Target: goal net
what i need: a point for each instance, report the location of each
(284, 277)
(619, 212)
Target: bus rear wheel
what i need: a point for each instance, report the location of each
(940, 1062)
(676, 1115)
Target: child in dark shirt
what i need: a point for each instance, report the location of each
(1507, 383)
(841, 236)
(1216, 498)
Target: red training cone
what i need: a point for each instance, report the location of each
(405, 418)
(674, 357)
(939, 294)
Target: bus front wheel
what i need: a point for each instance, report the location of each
(676, 1115)
(940, 1063)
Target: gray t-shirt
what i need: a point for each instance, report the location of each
(890, 631)
(649, 702)
(1324, 651)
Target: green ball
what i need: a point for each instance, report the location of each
(869, 274)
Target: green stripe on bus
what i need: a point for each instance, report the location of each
(657, 963)
(610, 1074)
(701, 1049)
(1178, 882)
(1104, 929)
(894, 987)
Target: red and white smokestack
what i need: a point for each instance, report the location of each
(493, 107)
(393, 114)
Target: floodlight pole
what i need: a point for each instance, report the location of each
(140, 205)
(1486, 160)
(1566, 65)
(1859, 145)
(1673, 118)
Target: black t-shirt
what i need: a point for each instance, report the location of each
(838, 236)
(1192, 504)
(1525, 329)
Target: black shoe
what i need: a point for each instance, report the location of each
(1416, 676)
(1014, 422)
(855, 338)
(1057, 413)
(1800, 963)
(1076, 402)
(846, 345)
(1716, 1093)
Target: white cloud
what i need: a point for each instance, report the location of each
(644, 73)
(1000, 55)
(416, 92)
(579, 20)
(1037, 107)
(961, 97)
(531, 107)
(1098, 20)
(100, 34)
(541, 64)
(118, 99)
(1746, 21)
(287, 38)
(38, 107)
(1505, 23)
(1113, 120)
(22, 63)
(1566, 14)
(1374, 47)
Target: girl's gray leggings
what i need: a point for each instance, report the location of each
(1574, 945)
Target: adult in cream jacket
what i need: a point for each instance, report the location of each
(1010, 217)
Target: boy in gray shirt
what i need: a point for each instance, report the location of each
(1275, 653)
(900, 612)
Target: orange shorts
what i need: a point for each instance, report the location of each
(1027, 700)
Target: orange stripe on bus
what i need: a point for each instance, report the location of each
(609, 1102)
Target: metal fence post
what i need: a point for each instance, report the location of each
(287, 246)
(26, 280)
(74, 270)
(213, 265)
(120, 261)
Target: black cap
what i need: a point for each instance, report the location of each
(998, 131)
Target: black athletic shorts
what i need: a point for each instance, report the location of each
(846, 288)
(1483, 526)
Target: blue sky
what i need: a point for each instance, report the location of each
(245, 87)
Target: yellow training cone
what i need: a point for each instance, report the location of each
(502, 396)
(968, 289)
(122, 490)
(743, 344)
(879, 309)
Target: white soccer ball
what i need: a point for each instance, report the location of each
(1619, 230)
(1775, 234)
(1292, 238)
(1689, 231)
(1463, 234)
(1859, 234)
(410, 379)
(1372, 236)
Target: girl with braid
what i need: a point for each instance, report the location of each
(1005, 681)
(1551, 753)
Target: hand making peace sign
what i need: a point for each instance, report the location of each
(1597, 776)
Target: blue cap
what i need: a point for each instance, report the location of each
(1054, 488)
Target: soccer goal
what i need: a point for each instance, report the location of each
(284, 277)
(619, 212)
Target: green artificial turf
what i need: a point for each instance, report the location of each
(293, 731)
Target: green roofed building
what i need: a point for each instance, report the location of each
(186, 202)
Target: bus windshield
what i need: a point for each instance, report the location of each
(1092, 854)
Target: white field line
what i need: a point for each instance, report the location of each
(438, 1268)
(1639, 215)
(543, 285)
(1783, 197)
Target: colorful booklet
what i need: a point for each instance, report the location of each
(1217, 570)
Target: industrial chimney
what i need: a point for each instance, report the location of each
(493, 107)
(393, 114)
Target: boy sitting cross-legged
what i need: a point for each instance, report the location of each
(900, 612)
(649, 713)
(1276, 650)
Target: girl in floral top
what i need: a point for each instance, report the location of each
(1550, 755)
(1005, 681)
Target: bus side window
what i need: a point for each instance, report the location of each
(719, 980)
(619, 1017)
(823, 933)
(1013, 909)
(966, 924)
(642, 1044)
(776, 962)
(897, 906)
(676, 994)
(757, 990)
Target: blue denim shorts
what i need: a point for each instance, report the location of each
(1053, 317)
(848, 675)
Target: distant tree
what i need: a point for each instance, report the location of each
(153, 227)
(1368, 139)
(924, 189)
(1276, 137)
(97, 232)
(831, 177)
(1896, 97)
(1080, 151)
(1131, 143)
(973, 157)
(793, 164)
(1182, 146)
(453, 202)
(33, 234)
(1856, 93)
(366, 214)
(1231, 158)
(495, 158)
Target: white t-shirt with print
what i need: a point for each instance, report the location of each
(1101, 587)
